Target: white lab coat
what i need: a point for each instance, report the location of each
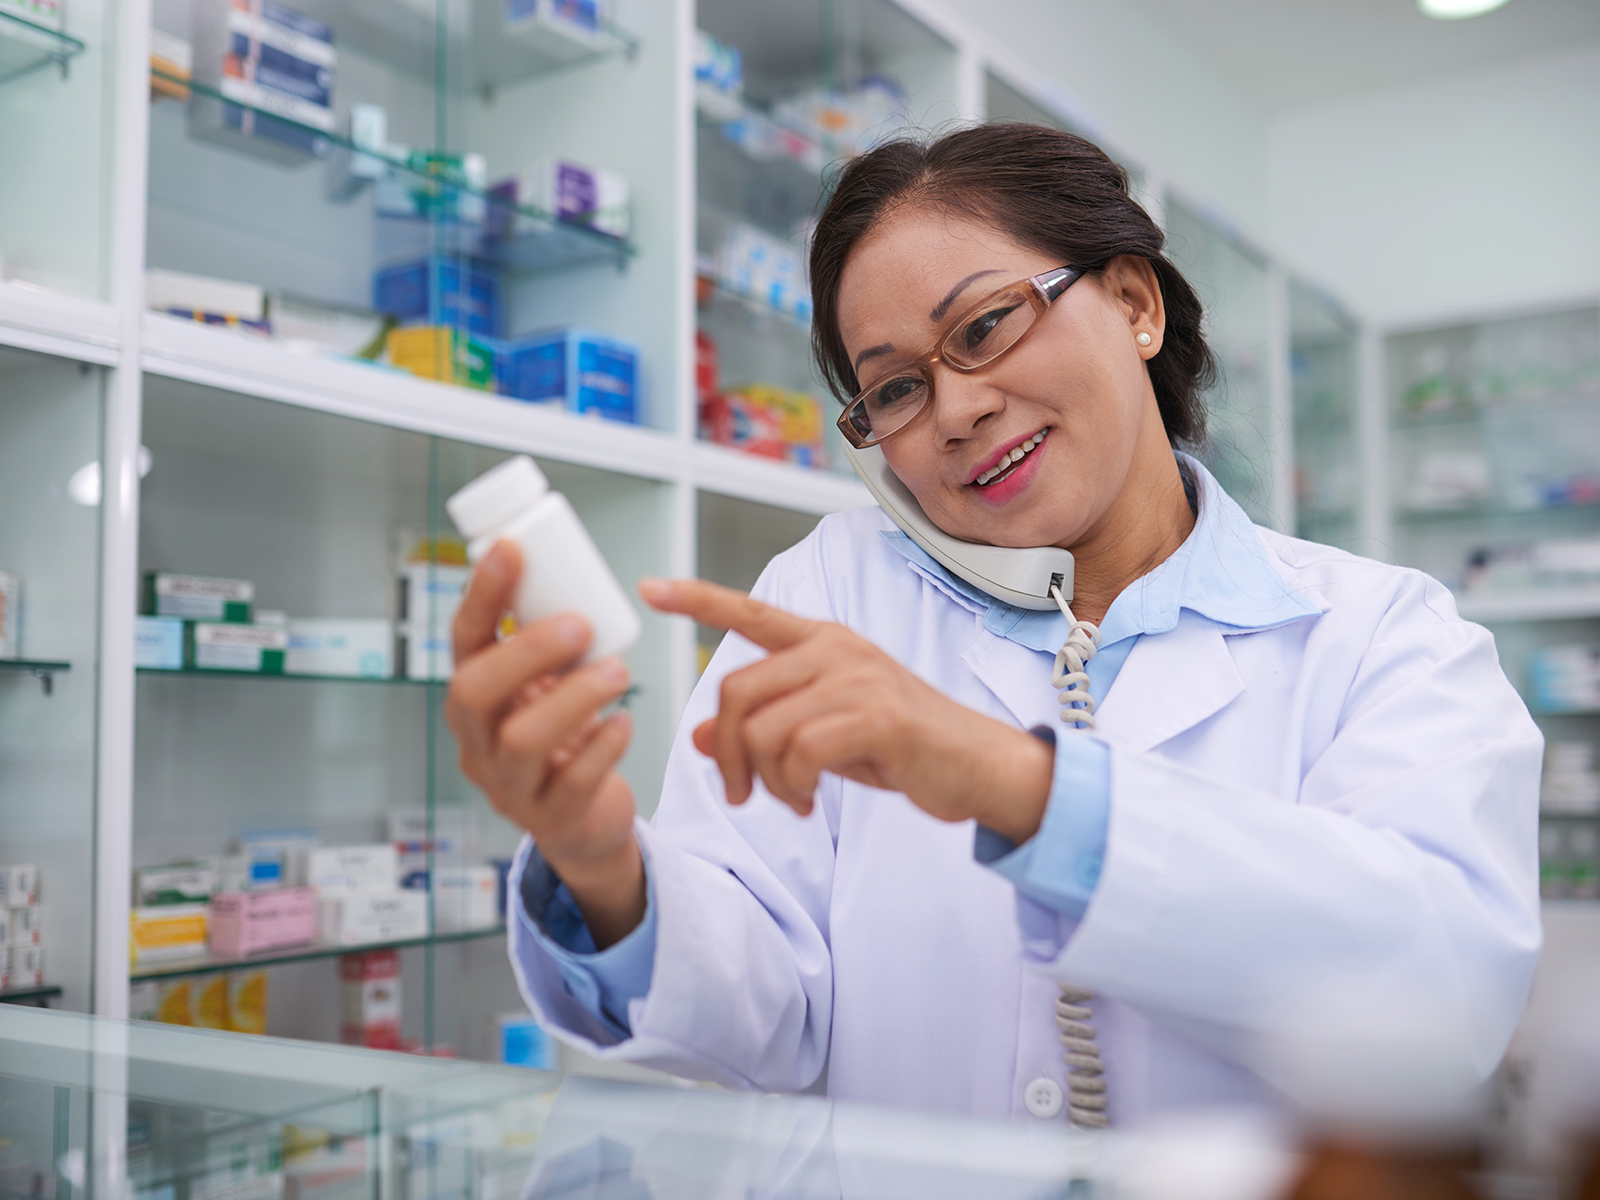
(1350, 796)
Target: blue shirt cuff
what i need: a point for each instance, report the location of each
(604, 981)
(1060, 865)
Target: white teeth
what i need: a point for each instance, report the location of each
(1016, 456)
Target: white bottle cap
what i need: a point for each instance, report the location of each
(493, 499)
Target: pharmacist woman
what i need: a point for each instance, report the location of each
(882, 864)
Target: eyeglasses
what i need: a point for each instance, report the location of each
(985, 332)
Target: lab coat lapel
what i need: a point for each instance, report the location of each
(1171, 682)
(1019, 677)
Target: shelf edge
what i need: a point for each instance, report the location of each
(53, 323)
(782, 485)
(179, 349)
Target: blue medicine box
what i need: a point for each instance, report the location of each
(158, 643)
(440, 291)
(583, 371)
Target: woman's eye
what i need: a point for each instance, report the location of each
(898, 393)
(981, 329)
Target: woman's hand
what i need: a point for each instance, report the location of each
(530, 735)
(826, 699)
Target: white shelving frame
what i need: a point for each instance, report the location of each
(118, 333)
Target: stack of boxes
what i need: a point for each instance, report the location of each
(275, 65)
(450, 313)
(21, 948)
(201, 623)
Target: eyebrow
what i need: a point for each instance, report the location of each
(944, 305)
(873, 352)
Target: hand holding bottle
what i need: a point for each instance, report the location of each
(527, 719)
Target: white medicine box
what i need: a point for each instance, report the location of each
(19, 886)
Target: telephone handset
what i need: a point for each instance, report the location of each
(1021, 577)
(1037, 578)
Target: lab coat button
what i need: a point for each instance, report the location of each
(1043, 1097)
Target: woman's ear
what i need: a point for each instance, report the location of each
(1132, 283)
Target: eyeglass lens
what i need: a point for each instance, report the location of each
(980, 338)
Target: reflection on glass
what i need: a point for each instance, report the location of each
(50, 423)
(1241, 426)
(782, 96)
(1322, 365)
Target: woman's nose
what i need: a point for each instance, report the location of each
(961, 403)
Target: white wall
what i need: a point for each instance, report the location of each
(1131, 81)
(1469, 194)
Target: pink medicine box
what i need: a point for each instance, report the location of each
(250, 922)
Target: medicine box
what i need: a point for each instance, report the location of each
(442, 353)
(352, 868)
(168, 931)
(250, 922)
(167, 290)
(198, 597)
(19, 927)
(247, 1001)
(158, 643)
(369, 999)
(584, 372)
(355, 918)
(430, 593)
(10, 615)
(26, 966)
(455, 292)
(359, 649)
(19, 885)
(285, 847)
(577, 195)
(218, 646)
(179, 883)
(521, 1042)
(276, 65)
(464, 898)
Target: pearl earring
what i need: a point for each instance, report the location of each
(1143, 339)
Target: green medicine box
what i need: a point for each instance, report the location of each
(227, 646)
(198, 597)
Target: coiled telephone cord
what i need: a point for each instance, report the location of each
(1086, 1081)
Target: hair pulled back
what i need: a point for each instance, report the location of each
(1051, 191)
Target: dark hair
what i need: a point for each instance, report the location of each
(1049, 190)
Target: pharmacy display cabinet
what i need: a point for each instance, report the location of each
(277, 280)
(1494, 480)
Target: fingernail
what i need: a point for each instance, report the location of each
(613, 671)
(497, 561)
(655, 590)
(570, 628)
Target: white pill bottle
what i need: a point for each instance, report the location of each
(562, 569)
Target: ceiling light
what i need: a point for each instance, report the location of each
(1454, 10)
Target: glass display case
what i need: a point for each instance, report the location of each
(51, 414)
(1243, 425)
(1328, 472)
(381, 183)
(1495, 457)
(92, 1107)
(782, 97)
(55, 65)
(294, 752)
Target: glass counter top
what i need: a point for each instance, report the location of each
(222, 1116)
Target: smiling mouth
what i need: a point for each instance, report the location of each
(1008, 464)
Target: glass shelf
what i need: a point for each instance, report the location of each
(483, 57)
(1481, 512)
(552, 245)
(25, 46)
(41, 669)
(1545, 409)
(211, 964)
(729, 302)
(30, 995)
(203, 673)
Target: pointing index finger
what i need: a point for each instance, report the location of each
(724, 608)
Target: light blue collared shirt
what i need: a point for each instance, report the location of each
(1220, 572)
